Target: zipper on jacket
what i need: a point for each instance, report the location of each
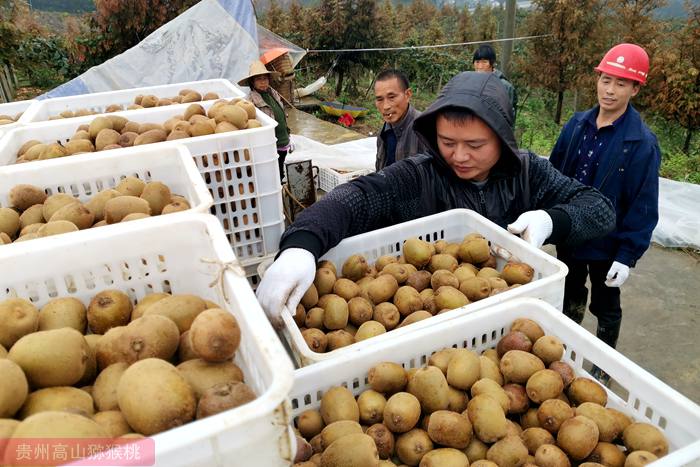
(482, 202)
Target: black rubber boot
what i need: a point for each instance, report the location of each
(609, 335)
(575, 311)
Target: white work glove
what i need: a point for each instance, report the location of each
(617, 275)
(285, 282)
(533, 226)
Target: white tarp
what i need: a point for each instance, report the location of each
(213, 39)
(679, 203)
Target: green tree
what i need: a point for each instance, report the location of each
(485, 23)
(557, 63)
(465, 28)
(677, 95)
(274, 18)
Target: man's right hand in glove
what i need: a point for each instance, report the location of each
(285, 282)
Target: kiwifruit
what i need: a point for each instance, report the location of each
(508, 452)
(55, 228)
(371, 404)
(489, 368)
(215, 335)
(56, 357)
(248, 107)
(548, 348)
(32, 215)
(586, 390)
(134, 216)
(19, 317)
(517, 366)
(517, 273)
(416, 252)
(607, 454)
(517, 396)
(450, 429)
(6, 240)
(383, 439)
(154, 396)
(514, 340)
(181, 308)
(339, 338)
(458, 400)
(26, 146)
(639, 437)
(9, 221)
(383, 261)
(530, 420)
(310, 423)
(145, 302)
(176, 206)
(428, 297)
(359, 310)
(443, 277)
(419, 280)
(24, 196)
(75, 213)
(607, 424)
(441, 359)
(59, 398)
(442, 261)
(63, 312)
(578, 436)
(447, 457)
(475, 288)
(151, 336)
(639, 458)
(399, 271)
(430, 386)
(549, 455)
(104, 390)
(355, 267)
(412, 446)
(552, 413)
(113, 422)
(474, 250)
(106, 138)
(382, 288)
(387, 377)
(622, 419)
(201, 375)
(345, 288)
(535, 437)
(98, 124)
(463, 369)
(13, 388)
(407, 300)
(488, 273)
(369, 329)
(335, 313)
(564, 370)
(130, 186)
(31, 228)
(315, 339)
(338, 403)
(528, 327)
(476, 451)
(337, 430)
(449, 298)
(55, 202)
(150, 136)
(223, 396)
(192, 96)
(55, 424)
(107, 309)
(353, 449)
(401, 412)
(543, 385)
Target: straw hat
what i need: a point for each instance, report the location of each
(257, 69)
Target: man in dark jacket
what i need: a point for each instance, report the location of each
(610, 148)
(473, 163)
(396, 140)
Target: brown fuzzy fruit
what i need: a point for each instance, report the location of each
(215, 335)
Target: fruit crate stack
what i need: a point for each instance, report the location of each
(330, 178)
(166, 271)
(546, 282)
(239, 167)
(660, 422)
(11, 113)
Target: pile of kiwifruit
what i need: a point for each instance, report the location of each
(515, 405)
(111, 369)
(34, 214)
(141, 101)
(427, 279)
(7, 119)
(115, 132)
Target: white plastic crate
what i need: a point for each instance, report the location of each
(239, 168)
(330, 178)
(174, 254)
(547, 283)
(12, 109)
(99, 101)
(82, 176)
(640, 394)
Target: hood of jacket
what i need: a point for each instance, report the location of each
(485, 96)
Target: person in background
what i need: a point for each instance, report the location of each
(484, 61)
(269, 101)
(473, 163)
(610, 148)
(396, 140)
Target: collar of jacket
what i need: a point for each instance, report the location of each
(631, 127)
(485, 96)
(258, 101)
(405, 124)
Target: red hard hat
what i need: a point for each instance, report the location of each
(628, 61)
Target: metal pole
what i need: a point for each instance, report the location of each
(508, 33)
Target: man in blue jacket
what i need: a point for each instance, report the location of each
(610, 148)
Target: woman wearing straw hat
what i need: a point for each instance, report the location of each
(269, 101)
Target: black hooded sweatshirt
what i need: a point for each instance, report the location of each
(425, 184)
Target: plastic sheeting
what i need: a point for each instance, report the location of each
(679, 215)
(213, 39)
(269, 40)
(353, 155)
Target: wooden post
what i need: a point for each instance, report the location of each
(7, 83)
(508, 33)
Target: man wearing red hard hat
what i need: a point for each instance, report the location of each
(610, 148)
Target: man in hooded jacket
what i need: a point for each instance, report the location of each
(473, 163)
